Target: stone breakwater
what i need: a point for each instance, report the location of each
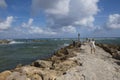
(70, 63)
(114, 50)
(4, 41)
(98, 66)
(48, 69)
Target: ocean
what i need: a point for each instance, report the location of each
(25, 51)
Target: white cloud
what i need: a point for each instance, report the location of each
(29, 28)
(38, 30)
(7, 23)
(61, 13)
(113, 21)
(30, 21)
(69, 29)
(86, 21)
(3, 4)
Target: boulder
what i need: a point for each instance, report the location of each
(35, 73)
(17, 76)
(31, 70)
(42, 64)
(49, 77)
(36, 77)
(116, 55)
(19, 65)
(4, 75)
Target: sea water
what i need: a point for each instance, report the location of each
(25, 51)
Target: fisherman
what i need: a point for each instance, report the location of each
(74, 43)
(78, 43)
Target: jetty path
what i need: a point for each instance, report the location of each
(98, 66)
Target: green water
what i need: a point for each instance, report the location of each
(25, 53)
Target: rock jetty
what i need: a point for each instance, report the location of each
(69, 63)
(4, 41)
(114, 50)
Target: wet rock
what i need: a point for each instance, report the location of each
(42, 64)
(54, 58)
(19, 65)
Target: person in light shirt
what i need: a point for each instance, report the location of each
(92, 45)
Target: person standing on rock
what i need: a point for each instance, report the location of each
(92, 45)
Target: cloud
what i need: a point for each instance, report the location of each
(69, 29)
(113, 21)
(7, 23)
(29, 28)
(24, 30)
(3, 4)
(51, 6)
(110, 28)
(61, 13)
(38, 30)
(28, 24)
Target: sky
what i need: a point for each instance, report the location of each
(59, 18)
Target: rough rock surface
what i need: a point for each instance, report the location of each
(114, 50)
(42, 64)
(98, 66)
(4, 75)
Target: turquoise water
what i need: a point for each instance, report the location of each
(114, 41)
(25, 51)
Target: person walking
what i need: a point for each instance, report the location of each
(92, 46)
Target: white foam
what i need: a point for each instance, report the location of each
(15, 42)
(65, 44)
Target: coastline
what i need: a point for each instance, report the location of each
(61, 65)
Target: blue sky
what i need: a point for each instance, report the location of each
(59, 18)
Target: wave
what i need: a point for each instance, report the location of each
(35, 47)
(62, 46)
(15, 42)
(106, 38)
(65, 44)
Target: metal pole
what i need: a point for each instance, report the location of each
(78, 37)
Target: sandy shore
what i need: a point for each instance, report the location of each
(69, 64)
